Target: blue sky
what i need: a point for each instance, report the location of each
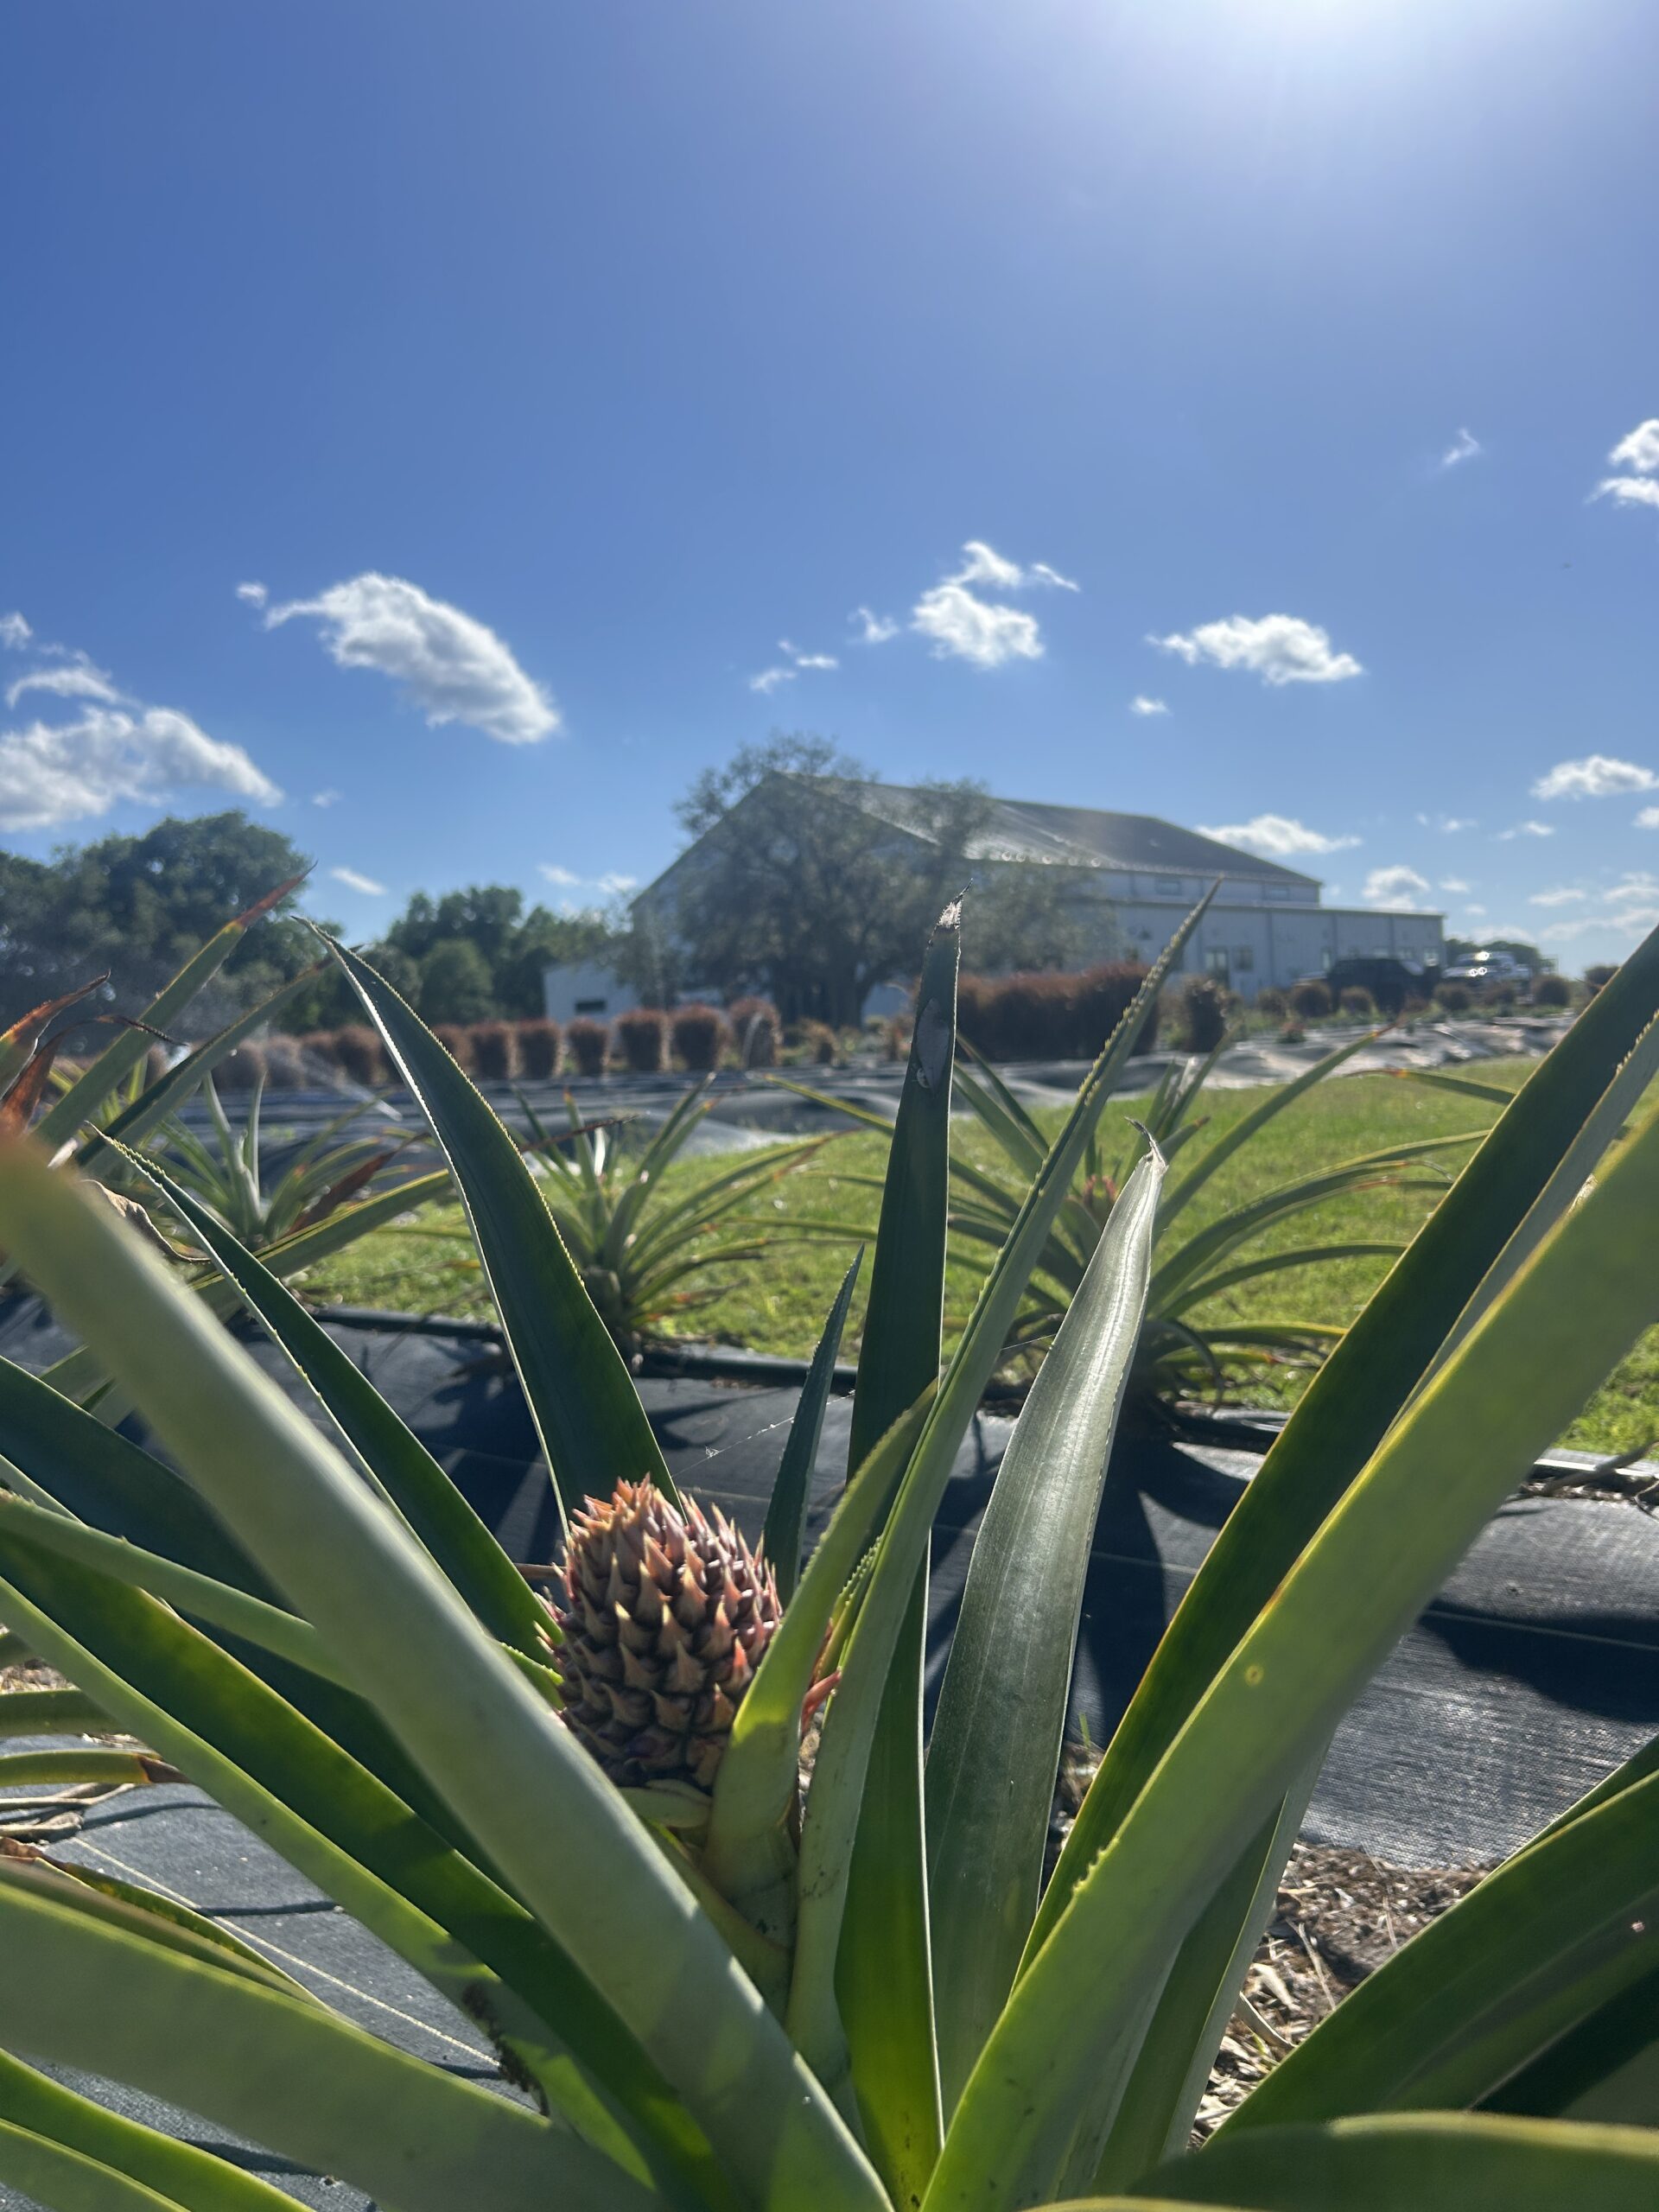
(548, 366)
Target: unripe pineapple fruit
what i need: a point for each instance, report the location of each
(665, 1613)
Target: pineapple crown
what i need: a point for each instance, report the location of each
(665, 1613)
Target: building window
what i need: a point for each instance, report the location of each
(1244, 959)
(1216, 961)
(1167, 887)
(1276, 890)
(591, 1006)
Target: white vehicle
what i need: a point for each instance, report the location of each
(1488, 965)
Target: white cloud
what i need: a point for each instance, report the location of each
(15, 632)
(75, 679)
(984, 565)
(354, 881)
(1562, 895)
(1597, 776)
(874, 629)
(1640, 450)
(964, 627)
(1477, 913)
(610, 886)
(1448, 825)
(325, 798)
(1464, 447)
(453, 667)
(255, 595)
(1141, 705)
(1526, 829)
(1279, 648)
(1399, 887)
(1454, 883)
(769, 678)
(1649, 818)
(1277, 835)
(64, 772)
(1629, 490)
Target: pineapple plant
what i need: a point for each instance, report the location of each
(718, 1987)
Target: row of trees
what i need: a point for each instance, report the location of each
(796, 893)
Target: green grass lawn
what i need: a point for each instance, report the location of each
(427, 1266)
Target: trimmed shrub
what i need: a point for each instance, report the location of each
(285, 1066)
(242, 1069)
(1273, 1003)
(1499, 996)
(538, 1050)
(589, 1043)
(1356, 1000)
(457, 1040)
(1047, 1016)
(360, 1056)
(1416, 1006)
(1200, 1010)
(495, 1050)
(820, 1043)
(642, 1034)
(702, 1035)
(323, 1045)
(1310, 1001)
(1454, 998)
(756, 1026)
(1552, 990)
(895, 1042)
(1598, 977)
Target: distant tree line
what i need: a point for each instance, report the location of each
(794, 891)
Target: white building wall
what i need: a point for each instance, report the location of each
(583, 987)
(1253, 945)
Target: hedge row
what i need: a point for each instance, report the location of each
(1050, 1017)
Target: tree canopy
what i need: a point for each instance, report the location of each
(791, 886)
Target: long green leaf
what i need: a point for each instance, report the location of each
(485, 1740)
(1001, 1715)
(396, 1458)
(285, 2072)
(884, 1972)
(834, 1799)
(1449, 2161)
(343, 1828)
(592, 1427)
(63, 2180)
(1361, 1389)
(1071, 2029)
(178, 2173)
(50, 1712)
(786, 1513)
(118, 1059)
(1536, 1948)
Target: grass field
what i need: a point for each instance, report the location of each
(427, 1266)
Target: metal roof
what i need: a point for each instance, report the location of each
(1078, 836)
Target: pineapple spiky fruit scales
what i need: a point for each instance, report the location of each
(665, 1613)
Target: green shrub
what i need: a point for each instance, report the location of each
(642, 1035)
(589, 1044)
(719, 1981)
(538, 1050)
(1500, 996)
(1454, 997)
(1358, 1001)
(1310, 1000)
(1552, 990)
(702, 1036)
(495, 1050)
(1272, 1002)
